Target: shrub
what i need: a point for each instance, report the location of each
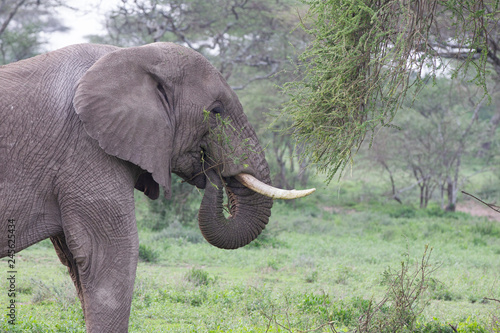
(199, 277)
(438, 290)
(403, 212)
(147, 254)
(470, 326)
(404, 300)
(312, 276)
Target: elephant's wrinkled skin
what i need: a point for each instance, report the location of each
(82, 126)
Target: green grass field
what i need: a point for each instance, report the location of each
(320, 265)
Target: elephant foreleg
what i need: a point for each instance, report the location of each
(105, 267)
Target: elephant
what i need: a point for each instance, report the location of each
(84, 125)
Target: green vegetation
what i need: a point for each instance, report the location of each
(366, 55)
(349, 258)
(22, 28)
(345, 258)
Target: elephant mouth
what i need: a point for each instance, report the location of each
(241, 184)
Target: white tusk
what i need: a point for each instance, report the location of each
(276, 193)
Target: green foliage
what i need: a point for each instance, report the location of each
(23, 25)
(345, 91)
(199, 277)
(403, 212)
(487, 228)
(439, 135)
(312, 276)
(147, 254)
(470, 326)
(326, 275)
(404, 300)
(439, 291)
(267, 239)
(342, 313)
(364, 58)
(62, 293)
(20, 44)
(473, 21)
(181, 208)
(433, 327)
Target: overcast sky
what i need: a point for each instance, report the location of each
(88, 20)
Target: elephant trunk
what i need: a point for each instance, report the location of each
(248, 214)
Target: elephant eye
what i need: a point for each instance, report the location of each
(217, 109)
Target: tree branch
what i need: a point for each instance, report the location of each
(274, 70)
(11, 16)
(492, 206)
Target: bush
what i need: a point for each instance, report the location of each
(439, 291)
(406, 212)
(147, 254)
(199, 277)
(404, 300)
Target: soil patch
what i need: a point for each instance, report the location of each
(475, 208)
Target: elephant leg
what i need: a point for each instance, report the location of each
(103, 241)
(66, 258)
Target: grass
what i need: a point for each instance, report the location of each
(320, 262)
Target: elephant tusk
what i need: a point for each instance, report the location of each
(272, 192)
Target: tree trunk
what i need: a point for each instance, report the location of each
(450, 190)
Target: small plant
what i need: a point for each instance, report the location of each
(312, 277)
(147, 254)
(344, 274)
(403, 212)
(404, 301)
(199, 277)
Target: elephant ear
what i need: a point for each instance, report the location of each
(124, 106)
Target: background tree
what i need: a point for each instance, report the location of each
(245, 40)
(22, 24)
(438, 134)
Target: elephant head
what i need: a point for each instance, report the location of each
(165, 109)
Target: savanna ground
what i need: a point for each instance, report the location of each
(322, 265)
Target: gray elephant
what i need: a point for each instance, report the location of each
(83, 126)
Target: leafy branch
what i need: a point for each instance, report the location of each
(364, 58)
